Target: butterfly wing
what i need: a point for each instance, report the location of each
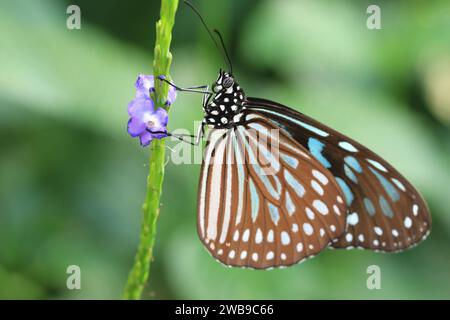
(263, 200)
(385, 212)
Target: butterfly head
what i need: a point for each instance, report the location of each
(225, 107)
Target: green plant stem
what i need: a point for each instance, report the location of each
(140, 271)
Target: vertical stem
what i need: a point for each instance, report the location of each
(140, 271)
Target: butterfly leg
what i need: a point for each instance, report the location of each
(181, 136)
(194, 89)
(198, 87)
(197, 138)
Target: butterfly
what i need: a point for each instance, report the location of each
(277, 187)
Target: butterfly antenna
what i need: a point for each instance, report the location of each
(230, 66)
(224, 51)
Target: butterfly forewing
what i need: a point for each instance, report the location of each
(264, 201)
(385, 212)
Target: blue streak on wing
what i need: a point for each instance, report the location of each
(316, 148)
(275, 193)
(296, 121)
(353, 163)
(346, 189)
(369, 206)
(294, 183)
(274, 213)
(349, 173)
(254, 200)
(289, 204)
(388, 187)
(261, 172)
(292, 162)
(386, 208)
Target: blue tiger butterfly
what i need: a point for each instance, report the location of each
(325, 189)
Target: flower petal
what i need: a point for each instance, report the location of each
(171, 96)
(144, 84)
(157, 122)
(162, 116)
(145, 138)
(139, 106)
(136, 127)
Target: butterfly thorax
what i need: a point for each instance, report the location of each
(224, 108)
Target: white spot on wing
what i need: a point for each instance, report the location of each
(308, 229)
(285, 239)
(320, 206)
(336, 210)
(349, 237)
(347, 146)
(246, 235)
(309, 213)
(415, 210)
(378, 230)
(270, 236)
(258, 236)
(398, 184)
(407, 222)
(353, 219)
(320, 176)
(377, 165)
(316, 186)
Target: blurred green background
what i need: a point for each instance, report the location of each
(72, 181)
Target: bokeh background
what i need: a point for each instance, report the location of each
(72, 181)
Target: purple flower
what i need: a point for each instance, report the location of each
(146, 84)
(146, 122)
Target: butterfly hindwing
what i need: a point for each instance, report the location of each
(264, 201)
(385, 212)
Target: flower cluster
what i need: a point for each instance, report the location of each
(146, 122)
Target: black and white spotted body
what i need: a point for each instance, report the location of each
(224, 108)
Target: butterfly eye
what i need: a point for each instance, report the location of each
(228, 82)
